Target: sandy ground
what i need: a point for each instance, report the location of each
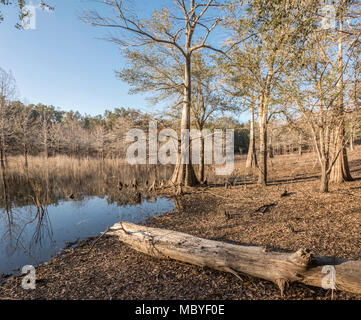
(327, 224)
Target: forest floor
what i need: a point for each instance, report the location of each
(327, 224)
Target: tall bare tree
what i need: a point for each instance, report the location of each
(26, 124)
(184, 26)
(7, 115)
(315, 93)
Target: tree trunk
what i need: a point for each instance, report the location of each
(2, 159)
(45, 138)
(270, 144)
(280, 268)
(341, 171)
(201, 163)
(300, 145)
(324, 178)
(3, 152)
(252, 156)
(352, 137)
(263, 120)
(184, 172)
(26, 156)
(262, 166)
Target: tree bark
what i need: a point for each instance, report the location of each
(184, 172)
(280, 268)
(26, 156)
(271, 144)
(252, 156)
(352, 133)
(263, 120)
(45, 136)
(341, 171)
(201, 162)
(324, 179)
(262, 166)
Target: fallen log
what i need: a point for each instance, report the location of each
(280, 268)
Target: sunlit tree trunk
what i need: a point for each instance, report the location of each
(184, 172)
(271, 144)
(252, 155)
(262, 119)
(340, 171)
(324, 178)
(300, 145)
(352, 133)
(262, 166)
(201, 164)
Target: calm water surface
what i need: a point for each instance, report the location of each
(32, 236)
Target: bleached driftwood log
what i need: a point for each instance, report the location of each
(280, 268)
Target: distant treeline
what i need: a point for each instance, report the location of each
(48, 131)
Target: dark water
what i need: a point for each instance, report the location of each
(32, 236)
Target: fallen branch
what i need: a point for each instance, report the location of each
(266, 208)
(280, 268)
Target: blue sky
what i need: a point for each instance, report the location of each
(64, 63)
(67, 64)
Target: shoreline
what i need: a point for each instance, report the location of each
(108, 269)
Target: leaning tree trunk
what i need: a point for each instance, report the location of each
(252, 156)
(184, 172)
(280, 268)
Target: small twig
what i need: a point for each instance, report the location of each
(216, 195)
(91, 247)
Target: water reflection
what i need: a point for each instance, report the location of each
(44, 233)
(40, 216)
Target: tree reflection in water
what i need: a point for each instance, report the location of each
(27, 228)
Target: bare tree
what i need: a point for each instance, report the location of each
(316, 95)
(26, 123)
(100, 139)
(7, 116)
(185, 28)
(45, 124)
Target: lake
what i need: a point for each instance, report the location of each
(29, 235)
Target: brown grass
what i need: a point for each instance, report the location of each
(327, 224)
